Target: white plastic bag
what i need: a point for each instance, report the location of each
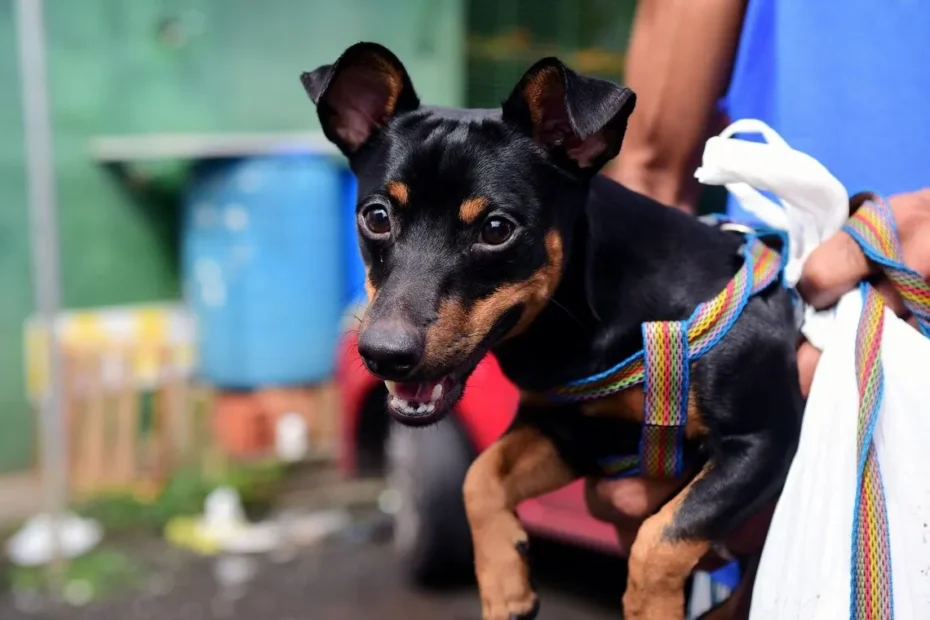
(813, 205)
(804, 573)
(805, 569)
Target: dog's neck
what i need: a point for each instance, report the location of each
(631, 260)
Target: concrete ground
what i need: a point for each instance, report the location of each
(351, 578)
(354, 575)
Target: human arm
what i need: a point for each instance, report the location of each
(679, 62)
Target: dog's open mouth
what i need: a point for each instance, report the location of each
(418, 404)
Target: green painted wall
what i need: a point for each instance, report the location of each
(505, 37)
(153, 66)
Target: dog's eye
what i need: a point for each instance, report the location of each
(496, 231)
(376, 220)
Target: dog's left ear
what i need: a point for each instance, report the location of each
(580, 121)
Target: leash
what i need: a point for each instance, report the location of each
(874, 229)
(663, 366)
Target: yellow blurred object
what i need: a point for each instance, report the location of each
(189, 533)
(148, 331)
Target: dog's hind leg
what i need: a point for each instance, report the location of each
(522, 464)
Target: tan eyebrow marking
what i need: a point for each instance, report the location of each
(399, 192)
(471, 209)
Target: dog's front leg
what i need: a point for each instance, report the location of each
(522, 464)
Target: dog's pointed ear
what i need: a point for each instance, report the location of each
(359, 93)
(315, 80)
(579, 120)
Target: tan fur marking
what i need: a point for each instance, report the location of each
(471, 209)
(394, 81)
(659, 566)
(629, 405)
(399, 192)
(534, 92)
(456, 332)
(521, 464)
(535, 292)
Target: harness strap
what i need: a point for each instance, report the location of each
(874, 229)
(664, 367)
(709, 322)
(871, 588)
(666, 386)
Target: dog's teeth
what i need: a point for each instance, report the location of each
(391, 386)
(437, 392)
(411, 408)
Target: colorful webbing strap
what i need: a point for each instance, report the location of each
(620, 465)
(709, 322)
(870, 579)
(664, 367)
(874, 229)
(667, 373)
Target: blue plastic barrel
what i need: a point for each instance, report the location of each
(355, 268)
(263, 268)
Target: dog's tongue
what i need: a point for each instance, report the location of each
(420, 392)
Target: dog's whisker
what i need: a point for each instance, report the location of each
(555, 303)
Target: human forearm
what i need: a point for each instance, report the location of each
(679, 63)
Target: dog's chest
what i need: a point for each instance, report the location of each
(588, 435)
(629, 406)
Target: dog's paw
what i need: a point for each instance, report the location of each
(528, 615)
(512, 610)
(507, 592)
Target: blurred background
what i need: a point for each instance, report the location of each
(224, 453)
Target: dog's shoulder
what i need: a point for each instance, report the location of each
(648, 262)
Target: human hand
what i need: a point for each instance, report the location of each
(838, 265)
(627, 502)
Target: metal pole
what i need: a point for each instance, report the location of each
(41, 183)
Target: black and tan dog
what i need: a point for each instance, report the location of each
(490, 230)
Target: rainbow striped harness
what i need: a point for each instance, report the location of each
(663, 367)
(874, 229)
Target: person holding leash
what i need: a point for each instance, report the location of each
(840, 81)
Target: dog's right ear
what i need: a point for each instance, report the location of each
(579, 120)
(357, 95)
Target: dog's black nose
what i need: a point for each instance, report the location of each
(391, 349)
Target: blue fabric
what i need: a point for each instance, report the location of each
(847, 81)
(727, 575)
